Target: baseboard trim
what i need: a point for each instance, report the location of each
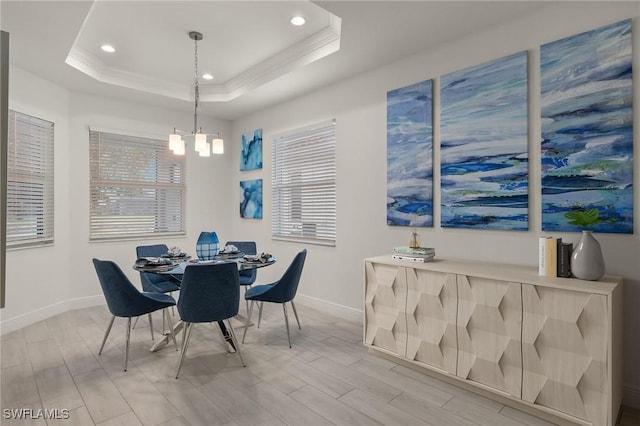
(340, 311)
(631, 396)
(15, 323)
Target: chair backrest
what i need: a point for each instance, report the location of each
(246, 247)
(285, 288)
(123, 298)
(155, 250)
(209, 292)
(147, 279)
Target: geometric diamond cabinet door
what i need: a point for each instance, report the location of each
(490, 333)
(431, 319)
(385, 303)
(565, 351)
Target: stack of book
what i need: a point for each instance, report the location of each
(414, 254)
(554, 259)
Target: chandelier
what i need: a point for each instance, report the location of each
(177, 142)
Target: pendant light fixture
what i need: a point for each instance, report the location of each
(177, 142)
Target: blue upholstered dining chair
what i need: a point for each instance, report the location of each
(155, 282)
(126, 301)
(281, 291)
(158, 283)
(208, 293)
(247, 276)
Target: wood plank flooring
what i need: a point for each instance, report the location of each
(328, 377)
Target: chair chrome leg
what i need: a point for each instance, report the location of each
(246, 326)
(184, 332)
(135, 323)
(296, 314)
(165, 312)
(185, 343)
(151, 324)
(235, 342)
(106, 334)
(260, 313)
(246, 302)
(126, 345)
(286, 321)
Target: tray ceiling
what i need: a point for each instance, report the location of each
(256, 56)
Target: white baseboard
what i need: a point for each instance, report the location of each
(631, 396)
(15, 323)
(340, 311)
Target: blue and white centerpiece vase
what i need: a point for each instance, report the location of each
(587, 262)
(207, 246)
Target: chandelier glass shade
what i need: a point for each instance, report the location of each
(178, 139)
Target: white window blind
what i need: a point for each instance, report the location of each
(29, 181)
(304, 185)
(137, 187)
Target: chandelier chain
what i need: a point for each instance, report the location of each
(196, 89)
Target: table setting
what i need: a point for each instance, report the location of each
(154, 264)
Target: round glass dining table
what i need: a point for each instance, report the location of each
(176, 269)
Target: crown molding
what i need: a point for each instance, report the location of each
(92, 66)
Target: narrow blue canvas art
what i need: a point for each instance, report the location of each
(251, 154)
(484, 157)
(251, 199)
(587, 131)
(410, 155)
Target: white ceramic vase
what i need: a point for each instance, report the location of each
(587, 262)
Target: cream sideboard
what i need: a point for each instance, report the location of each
(552, 346)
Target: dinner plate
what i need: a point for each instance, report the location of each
(256, 261)
(184, 257)
(156, 268)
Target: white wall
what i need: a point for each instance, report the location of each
(333, 277)
(30, 290)
(63, 277)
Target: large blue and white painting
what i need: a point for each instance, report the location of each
(251, 154)
(410, 155)
(587, 130)
(251, 199)
(484, 161)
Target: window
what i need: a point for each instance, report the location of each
(304, 185)
(29, 181)
(137, 187)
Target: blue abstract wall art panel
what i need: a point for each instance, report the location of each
(251, 199)
(410, 155)
(484, 157)
(251, 154)
(587, 125)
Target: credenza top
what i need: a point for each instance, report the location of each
(504, 272)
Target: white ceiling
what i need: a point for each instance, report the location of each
(257, 57)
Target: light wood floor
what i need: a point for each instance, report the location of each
(328, 377)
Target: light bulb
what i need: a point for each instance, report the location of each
(298, 21)
(206, 152)
(174, 141)
(201, 141)
(180, 149)
(217, 146)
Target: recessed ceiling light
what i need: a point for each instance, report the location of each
(207, 76)
(298, 20)
(108, 48)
